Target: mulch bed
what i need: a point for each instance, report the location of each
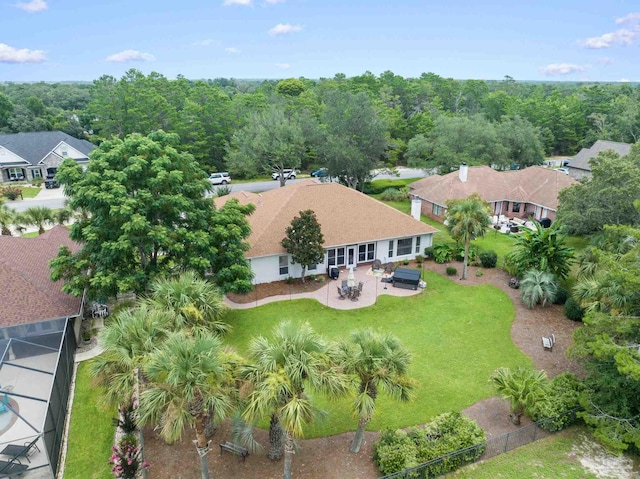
(329, 458)
(277, 288)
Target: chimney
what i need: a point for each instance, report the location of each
(463, 172)
(416, 207)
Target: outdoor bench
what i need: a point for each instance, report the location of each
(235, 449)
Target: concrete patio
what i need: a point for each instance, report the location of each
(328, 295)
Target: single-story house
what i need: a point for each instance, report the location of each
(39, 327)
(579, 166)
(38, 154)
(357, 229)
(531, 192)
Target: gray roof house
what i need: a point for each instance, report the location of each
(579, 166)
(26, 156)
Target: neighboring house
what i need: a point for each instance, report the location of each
(531, 192)
(357, 229)
(579, 166)
(38, 154)
(28, 295)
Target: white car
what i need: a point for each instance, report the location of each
(563, 170)
(288, 174)
(221, 178)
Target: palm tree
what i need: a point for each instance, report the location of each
(127, 339)
(37, 216)
(466, 220)
(538, 287)
(194, 302)
(522, 388)
(62, 215)
(188, 377)
(7, 217)
(377, 360)
(295, 360)
(543, 249)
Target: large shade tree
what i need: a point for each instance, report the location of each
(292, 362)
(189, 377)
(147, 214)
(466, 220)
(377, 361)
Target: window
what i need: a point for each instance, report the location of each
(366, 252)
(16, 174)
(284, 264)
(335, 257)
(436, 209)
(516, 207)
(391, 249)
(417, 244)
(36, 173)
(404, 246)
(312, 267)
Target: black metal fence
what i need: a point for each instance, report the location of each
(486, 450)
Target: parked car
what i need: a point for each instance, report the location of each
(221, 178)
(51, 182)
(320, 173)
(563, 170)
(287, 173)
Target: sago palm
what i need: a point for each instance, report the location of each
(37, 216)
(188, 379)
(466, 220)
(127, 338)
(294, 360)
(538, 287)
(521, 387)
(194, 302)
(377, 361)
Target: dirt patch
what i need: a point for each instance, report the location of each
(595, 459)
(329, 458)
(277, 288)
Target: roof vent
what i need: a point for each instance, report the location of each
(463, 172)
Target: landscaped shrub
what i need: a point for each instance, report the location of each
(378, 186)
(561, 296)
(563, 393)
(488, 258)
(394, 194)
(126, 460)
(11, 192)
(573, 310)
(447, 433)
(419, 259)
(451, 271)
(442, 253)
(473, 254)
(223, 190)
(405, 262)
(126, 420)
(479, 272)
(428, 252)
(37, 182)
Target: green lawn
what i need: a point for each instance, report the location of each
(30, 191)
(458, 336)
(549, 458)
(91, 432)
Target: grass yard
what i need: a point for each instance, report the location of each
(91, 432)
(30, 191)
(548, 458)
(458, 336)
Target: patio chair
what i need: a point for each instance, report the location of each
(16, 450)
(377, 264)
(342, 293)
(344, 284)
(547, 343)
(355, 294)
(360, 285)
(12, 468)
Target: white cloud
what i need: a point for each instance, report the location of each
(630, 18)
(232, 50)
(276, 1)
(283, 29)
(130, 56)
(605, 60)
(562, 69)
(282, 66)
(10, 54)
(619, 37)
(624, 80)
(33, 6)
(246, 3)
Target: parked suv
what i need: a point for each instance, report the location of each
(288, 174)
(221, 178)
(51, 182)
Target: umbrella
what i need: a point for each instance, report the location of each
(351, 278)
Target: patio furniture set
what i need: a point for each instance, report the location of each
(14, 467)
(350, 292)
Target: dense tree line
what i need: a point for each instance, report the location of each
(428, 121)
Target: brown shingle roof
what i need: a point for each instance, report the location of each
(531, 185)
(28, 295)
(346, 216)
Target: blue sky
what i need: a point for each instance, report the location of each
(576, 40)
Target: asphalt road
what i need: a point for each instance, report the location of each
(55, 199)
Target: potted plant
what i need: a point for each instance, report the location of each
(86, 336)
